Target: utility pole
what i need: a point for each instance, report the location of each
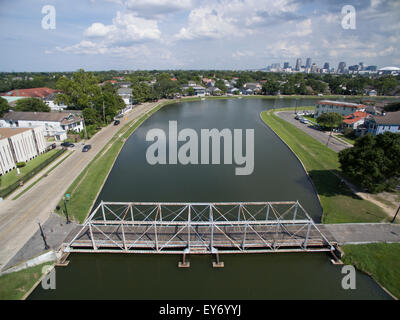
(395, 216)
(104, 114)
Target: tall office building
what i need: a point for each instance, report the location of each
(361, 66)
(341, 67)
(298, 64)
(286, 65)
(308, 63)
(326, 66)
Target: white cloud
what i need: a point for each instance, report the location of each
(232, 17)
(157, 7)
(303, 28)
(241, 54)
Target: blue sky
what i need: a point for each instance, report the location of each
(195, 34)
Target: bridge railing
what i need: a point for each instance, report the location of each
(135, 227)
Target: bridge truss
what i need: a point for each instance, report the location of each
(199, 228)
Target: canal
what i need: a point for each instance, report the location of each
(277, 176)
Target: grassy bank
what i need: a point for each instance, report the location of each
(381, 261)
(339, 204)
(15, 285)
(87, 185)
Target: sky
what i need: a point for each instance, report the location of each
(195, 34)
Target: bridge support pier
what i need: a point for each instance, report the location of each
(184, 263)
(218, 264)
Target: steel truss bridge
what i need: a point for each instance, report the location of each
(198, 228)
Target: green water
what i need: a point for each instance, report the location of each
(277, 176)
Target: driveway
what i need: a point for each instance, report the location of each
(335, 144)
(18, 218)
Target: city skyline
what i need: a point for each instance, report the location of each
(193, 34)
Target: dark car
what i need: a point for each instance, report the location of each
(52, 146)
(67, 145)
(86, 148)
(116, 122)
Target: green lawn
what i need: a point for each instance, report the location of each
(14, 286)
(348, 140)
(339, 204)
(12, 177)
(381, 260)
(86, 187)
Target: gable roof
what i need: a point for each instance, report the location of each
(391, 118)
(9, 132)
(32, 93)
(63, 117)
(355, 117)
(341, 104)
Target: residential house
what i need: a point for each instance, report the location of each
(126, 95)
(255, 87)
(30, 93)
(49, 100)
(389, 122)
(199, 91)
(355, 120)
(343, 108)
(56, 124)
(213, 91)
(20, 145)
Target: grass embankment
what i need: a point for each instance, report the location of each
(339, 204)
(86, 187)
(14, 286)
(381, 261)
(12, 177)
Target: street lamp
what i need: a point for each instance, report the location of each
(66, 198)
(395, 216)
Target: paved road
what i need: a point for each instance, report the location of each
(18, 218)
(362, 233)
(323, 137)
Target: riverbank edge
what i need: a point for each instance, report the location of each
(297, 157)
(315, 189)
(348, 258)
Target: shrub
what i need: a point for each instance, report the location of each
(21, 164)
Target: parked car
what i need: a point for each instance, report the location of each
(305, 121)
(86, 148)
(67, 145)
(116, 122)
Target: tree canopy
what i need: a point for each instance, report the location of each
(330, 120)
(374, 161)
(4, 106)
(32, 105)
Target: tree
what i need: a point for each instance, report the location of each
(271, 87)
(374, 161)
(330, 120)
(91, 116)
(4, 106)
(31, 104)
(392, 107)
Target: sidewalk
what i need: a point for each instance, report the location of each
(18, 218)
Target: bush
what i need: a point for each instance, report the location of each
(21, 164)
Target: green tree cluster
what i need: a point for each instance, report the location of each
(31, 105)
(374, 161)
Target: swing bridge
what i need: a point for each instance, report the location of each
(199, 228)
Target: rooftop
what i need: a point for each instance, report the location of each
(342, 104)
(32, 93)
(63, 117)
(9, 132)
(391, 118)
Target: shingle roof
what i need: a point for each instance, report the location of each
(391, 118)
(41, 116)
(33, 92)
(9, 132)
(342, 104)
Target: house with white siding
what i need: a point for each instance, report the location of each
(389, 122)
(343, 108)
(56, 124)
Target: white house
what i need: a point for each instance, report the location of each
(343, 108)
(49, 100)
(20, 145)
(56, 124)
(126, 95)
(381, 124)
